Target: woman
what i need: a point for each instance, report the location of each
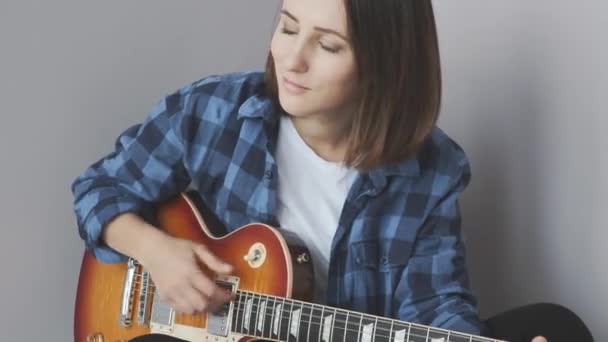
(336, 141)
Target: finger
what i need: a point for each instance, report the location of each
(212, 295)
(220, 298)
(202, 283)
(212, 261)
(196, 300)
(216, 295)
(539, 339)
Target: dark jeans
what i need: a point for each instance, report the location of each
(555, 322)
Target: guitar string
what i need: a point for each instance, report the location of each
(240, 305)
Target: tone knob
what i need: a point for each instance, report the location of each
(303, 258)
(96, 337)
(256, 255)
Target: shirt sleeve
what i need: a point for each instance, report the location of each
(146, 166)
(434, 288)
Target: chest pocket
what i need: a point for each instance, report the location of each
(381, 256)
(377, 269)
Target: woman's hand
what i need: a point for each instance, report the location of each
(175, 267)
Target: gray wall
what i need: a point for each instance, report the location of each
(523, 86)
(525, 95)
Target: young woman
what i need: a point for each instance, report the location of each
(335, 140)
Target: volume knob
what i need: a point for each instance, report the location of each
(96, 337)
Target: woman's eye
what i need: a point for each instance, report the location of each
(328, 49)
(285, 31)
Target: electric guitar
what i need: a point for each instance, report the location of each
(272, 281)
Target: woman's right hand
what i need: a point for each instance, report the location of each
(174, 265)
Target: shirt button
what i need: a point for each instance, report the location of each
(384, 260)
(358, 260)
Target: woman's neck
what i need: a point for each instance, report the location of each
(326, 136)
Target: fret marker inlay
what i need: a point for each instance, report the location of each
(367, 332)
(261, 315)
(277, 316)
(247, 313)
(326, 328)
(295, 319)
(400, 336)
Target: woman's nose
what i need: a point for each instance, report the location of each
(296, 59)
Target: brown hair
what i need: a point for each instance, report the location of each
(399, 79)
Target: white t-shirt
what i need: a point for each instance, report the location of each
(311, 193)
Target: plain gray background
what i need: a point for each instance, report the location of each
(525, 90)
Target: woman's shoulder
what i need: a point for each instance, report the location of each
(441, 154)
(229, 88)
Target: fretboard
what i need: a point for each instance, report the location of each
(284, 319)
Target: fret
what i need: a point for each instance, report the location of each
(262, 316)
(305, 322)
(268, 317)
(368, 324)
(244, 314)
(353, 323)
(345, 326)
(284, 321)
(375, 329)
(249, 312)
(321, 324)
(257, 316)
(383, 330)
(359, 327)
(235, 311)
(238, 320)
(289, 319)
(276, 318)
(401, 332)
(339, 327)
(315, 323)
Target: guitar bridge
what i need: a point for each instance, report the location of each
(126, 307)
(218, 322)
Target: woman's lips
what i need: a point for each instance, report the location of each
(293, 87)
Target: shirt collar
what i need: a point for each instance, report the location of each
(260, 106)
(257, 106)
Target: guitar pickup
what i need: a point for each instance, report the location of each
(218, 322)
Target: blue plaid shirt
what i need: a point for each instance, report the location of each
(398, 250)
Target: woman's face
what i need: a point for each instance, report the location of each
(310, 47)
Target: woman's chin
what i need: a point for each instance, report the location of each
(293, 105)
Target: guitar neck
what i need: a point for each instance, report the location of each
(283, 319)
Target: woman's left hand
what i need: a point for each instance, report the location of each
(539, 339)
